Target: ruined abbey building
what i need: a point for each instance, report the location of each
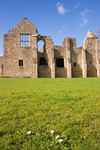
(21, 57)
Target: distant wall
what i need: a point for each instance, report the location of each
(1, 65)
(90, 47)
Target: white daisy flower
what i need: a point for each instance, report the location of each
(52, 131)
(29, 132)
(60, 140)
(57, 136)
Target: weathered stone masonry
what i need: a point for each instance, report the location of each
(21, 57)
(1, 65)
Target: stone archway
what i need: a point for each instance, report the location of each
(41, 46)
(42, 39)
(42, 61)
(42, 58)
(47, 52)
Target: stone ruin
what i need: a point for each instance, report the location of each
(21, 57)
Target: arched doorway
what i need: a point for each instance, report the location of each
(42, 61)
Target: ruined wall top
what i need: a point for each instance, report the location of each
(24, 26)
(90, 34)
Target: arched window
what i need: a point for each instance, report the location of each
(41, 46)
(42, 61)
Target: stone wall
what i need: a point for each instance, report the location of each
(59, 52)
(76, 58)
(90, 48)
(43, 69)
(1, 65)
(13, 52)
(98, 56)
(46, 70)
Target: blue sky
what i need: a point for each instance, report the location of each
(55, 18)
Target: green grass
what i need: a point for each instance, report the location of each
(70, 107)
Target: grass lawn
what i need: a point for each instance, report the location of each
(70, 107)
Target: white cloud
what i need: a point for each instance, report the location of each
(61, 9)
(58, 3)
(63, 28)
(77, 5)
(60, 31)
(84, 16)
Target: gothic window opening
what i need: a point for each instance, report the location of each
(24, 40)
(60, 62)
(41, 46)
(20, 62)
(42, 61)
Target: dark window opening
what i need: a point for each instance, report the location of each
(86, 54)
(42, 61)
(20, 62)
(74, 64)
(60, 62)
(24, 40)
